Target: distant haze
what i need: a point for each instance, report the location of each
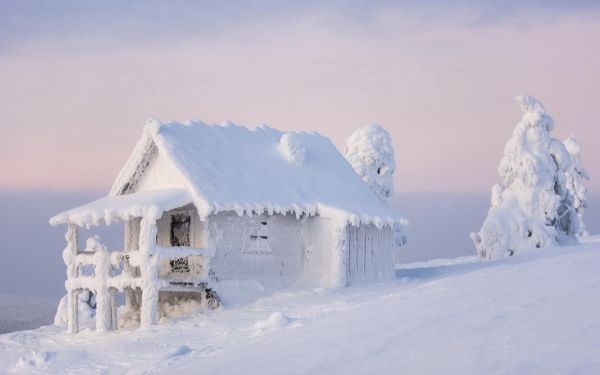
(80, 78)
(32, 250)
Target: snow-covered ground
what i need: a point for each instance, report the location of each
(532, 313)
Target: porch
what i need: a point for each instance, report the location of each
(141, 270)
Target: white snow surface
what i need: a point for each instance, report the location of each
(124, 207)
(232, 168)
(535, 312)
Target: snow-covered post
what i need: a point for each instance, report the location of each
(128, 270)
(69, 255)
(104, 320)
(149, 271)
(113, 308)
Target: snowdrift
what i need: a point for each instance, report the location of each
(536, 312)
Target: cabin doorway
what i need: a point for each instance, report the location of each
(180, 236)
(180, 229)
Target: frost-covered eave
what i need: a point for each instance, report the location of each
(340, 216)
(107, 210)
(151, 204)
(379, 219)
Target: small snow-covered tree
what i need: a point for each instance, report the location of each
(533, 207)
(370, 152)
(575, 177)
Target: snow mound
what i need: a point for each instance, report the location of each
(86, 312)
(291, 147)
(370, 152)
(535, 206)
(274, 321)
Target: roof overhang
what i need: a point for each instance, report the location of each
(149, 204)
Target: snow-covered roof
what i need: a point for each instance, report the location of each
(124, 207)
(232, 168)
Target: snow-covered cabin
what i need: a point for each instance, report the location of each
(212, 205)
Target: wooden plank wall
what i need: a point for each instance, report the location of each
(370, 254)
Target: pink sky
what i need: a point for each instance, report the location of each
(74, 103)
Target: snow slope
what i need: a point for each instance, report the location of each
(532, 313)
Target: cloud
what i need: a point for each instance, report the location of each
(89, 26)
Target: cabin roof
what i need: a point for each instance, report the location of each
(233, 168)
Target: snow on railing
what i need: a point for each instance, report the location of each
(115, 270)
(179, 252)
(165, 253)
(118, 259)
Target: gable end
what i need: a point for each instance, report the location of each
(147, 158)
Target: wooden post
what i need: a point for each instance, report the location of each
(149, 313)
(72, 293)
(113, 308)
(149, 271)
(104, 319)
(131, 303)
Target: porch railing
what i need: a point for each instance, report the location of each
(125, 270)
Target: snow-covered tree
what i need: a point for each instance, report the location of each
(576, 176)
(370, 152)
(533, 207)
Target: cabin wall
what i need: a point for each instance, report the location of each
(294, 252)
(264, 248)
(370, 254)
(319, 243)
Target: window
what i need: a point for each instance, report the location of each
(259, 231)
(259, 242)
